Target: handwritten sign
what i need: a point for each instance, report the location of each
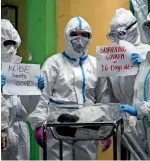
(21, 79)
(115, 60)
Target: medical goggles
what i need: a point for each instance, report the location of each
(119, 33)
(9, 43)
(82, 33)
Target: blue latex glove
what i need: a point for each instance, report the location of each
(3, 80)
(41, 82)
(129, 109)
(136, 59)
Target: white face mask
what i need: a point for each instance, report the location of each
(131, 36)
(13, 59)
(79, 43)
(7, 53)
(16, 59)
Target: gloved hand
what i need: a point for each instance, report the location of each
(4, 140)
(3, 80)
(105, 144)
(136, 59)
(129, 109)
(39, 136)
(41, 82)
(67, 131)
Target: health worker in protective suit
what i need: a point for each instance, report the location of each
(124, 26)
(70, 78)
(141, 107)
(16, 108)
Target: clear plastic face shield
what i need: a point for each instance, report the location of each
(119, 33)
(79, 40)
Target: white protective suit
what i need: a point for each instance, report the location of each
(4, 114)
(4, 123)
(140, 138)
(19, 107)
(138, 142)
(140, 12)
(122, 19)
(70, 78)
(141, 127)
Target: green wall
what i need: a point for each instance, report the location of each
(41, 29)
(41, 42)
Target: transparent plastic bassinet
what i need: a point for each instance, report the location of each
(107, 117)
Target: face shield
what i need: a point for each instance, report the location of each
(119, 33)
(79, 40)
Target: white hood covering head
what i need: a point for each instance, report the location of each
(76, 23)
(121, 21)
(8, 32)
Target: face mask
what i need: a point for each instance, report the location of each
(131, 36)
(16, 59)
(7, 53)
(79, 43)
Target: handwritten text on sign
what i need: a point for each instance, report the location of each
(114, 61)
(21, 79)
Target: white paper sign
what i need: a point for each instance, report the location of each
(115, 60)
(21, 79)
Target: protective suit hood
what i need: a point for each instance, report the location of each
(122, 20)
(8, 32)
(76, 23)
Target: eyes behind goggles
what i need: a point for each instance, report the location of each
(83, 34)
(9, 43)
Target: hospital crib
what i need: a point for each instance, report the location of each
(116, 123)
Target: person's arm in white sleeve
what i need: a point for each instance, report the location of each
(41, 113)
(104, 91)
(143, 109)
(4, 123)
(4, 114)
